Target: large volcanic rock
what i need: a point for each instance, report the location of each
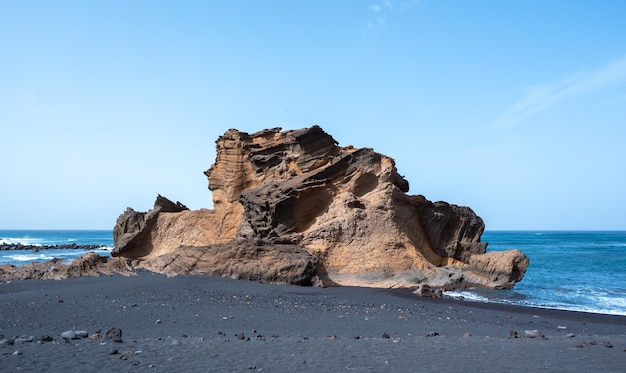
(294, 207)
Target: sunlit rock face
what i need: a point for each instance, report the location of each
(294, 207)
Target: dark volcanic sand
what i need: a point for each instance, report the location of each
(223, 325)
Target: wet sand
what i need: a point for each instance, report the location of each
(208, 324)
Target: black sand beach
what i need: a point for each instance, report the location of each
(201, 324)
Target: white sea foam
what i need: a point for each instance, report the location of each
(604, 304)
(599, 309)
(29, 257)
(612, 304)
(466, 295)
(578, 308)
(21, 240)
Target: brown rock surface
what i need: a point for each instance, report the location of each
(292, 205)
(241, 259)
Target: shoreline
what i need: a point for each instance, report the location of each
(202, 323)
(41, 265)
(489, 302)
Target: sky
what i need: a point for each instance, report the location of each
(515, 109)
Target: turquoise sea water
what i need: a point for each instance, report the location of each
(103, 238)
(573, 270)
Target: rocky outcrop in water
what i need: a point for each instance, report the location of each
(294, 207)
(90, 264)
(72, 246)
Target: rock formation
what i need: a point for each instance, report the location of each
(294, 207)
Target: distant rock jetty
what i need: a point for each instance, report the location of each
(72, 246)
(90, 264)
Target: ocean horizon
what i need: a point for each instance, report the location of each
(569, 270)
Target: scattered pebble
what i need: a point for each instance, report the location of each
(570, 335)
(70, 334)
(513, 334)
(560, 327)
(467, 335)
(114, 334)
(45, 338)
(24, 339)
(386, 336)
(432, 334)
(533, 334)
(607, 344)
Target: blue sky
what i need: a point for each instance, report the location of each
(516, 109)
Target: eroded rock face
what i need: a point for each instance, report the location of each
(331, 215)
(242, 259)
(132, 231)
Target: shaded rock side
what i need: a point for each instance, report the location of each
(347, 208)
(242, 259)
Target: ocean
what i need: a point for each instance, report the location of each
(569, 270)
(102, 238)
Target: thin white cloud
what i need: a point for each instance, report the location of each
(381, 10)
(542, 97)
